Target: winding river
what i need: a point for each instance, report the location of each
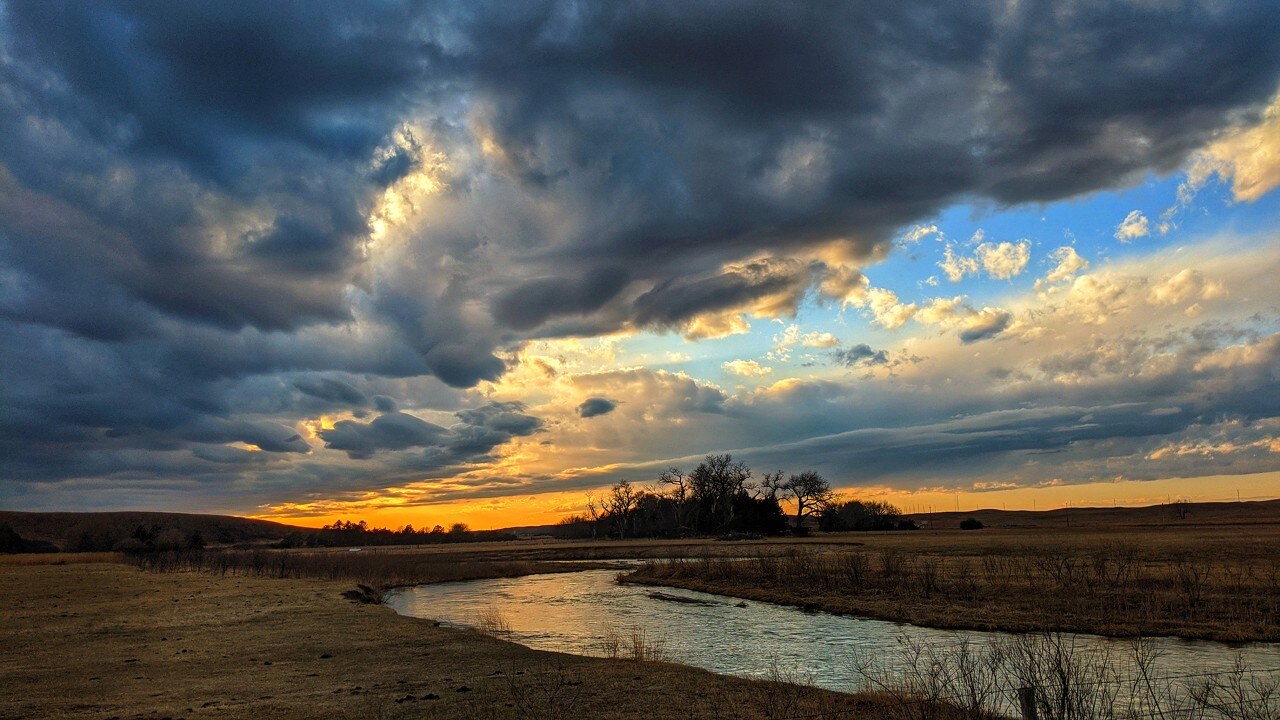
(575, 612)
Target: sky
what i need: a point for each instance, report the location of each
(431, 262)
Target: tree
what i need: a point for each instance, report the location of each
(811, 492)
(622, 500)
(860, 515)
(715, 483)
(771, 485)
(459, 529)
(681, 492)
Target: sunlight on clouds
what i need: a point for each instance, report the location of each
(1005, 260)
(747, 368)
(400, 201)
(956, 267)
(1135, 225)
(713, 326)
(1184, 285)
(1067, 264)
(1248, 158)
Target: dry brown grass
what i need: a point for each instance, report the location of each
(60, 558)
(1212, 583)
(381, 570)
(103, 641)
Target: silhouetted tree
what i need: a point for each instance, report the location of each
(863, 515)
(811, 492)
(716, 482)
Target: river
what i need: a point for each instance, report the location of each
(575, 612)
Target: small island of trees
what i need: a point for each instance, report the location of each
(721, 498)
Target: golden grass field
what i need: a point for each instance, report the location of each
(1218, 582)
(84, 635)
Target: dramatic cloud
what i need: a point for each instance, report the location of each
(1247, 156)
(254, 250)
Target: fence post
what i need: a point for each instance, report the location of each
(1027, 702)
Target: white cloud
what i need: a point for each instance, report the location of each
(819, 340)
(1135, 225)
(1004, 260)
(747, 368)
(887, 310)
(1068, 264)
(956, 267)
(918, 233)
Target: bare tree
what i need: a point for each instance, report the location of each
(622, 500)
(593, 511)
(811, 492)
(771, 485)
(681, 491)
(717, 481)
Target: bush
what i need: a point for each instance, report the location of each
(971, 524)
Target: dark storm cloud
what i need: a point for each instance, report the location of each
(332, 390)
(860, 355)
(389, 431)
(503, 417)
(594, 406)
(186, 189)
(674, 301)
(529, 305)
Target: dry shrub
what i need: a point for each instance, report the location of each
(547, 693)
(490, 621)
(635, 644)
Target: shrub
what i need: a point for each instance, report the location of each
(971, 524)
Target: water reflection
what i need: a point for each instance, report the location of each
(574, 612)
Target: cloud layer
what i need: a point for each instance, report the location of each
(249, 251)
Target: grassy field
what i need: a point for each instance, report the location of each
(108, 641)
(1196, 581)
(267, 633)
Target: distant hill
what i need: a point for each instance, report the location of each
(1207, 513)
(71, 531)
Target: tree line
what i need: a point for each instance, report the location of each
(353, 534)
(722, 497)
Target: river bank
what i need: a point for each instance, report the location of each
(107, 641)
